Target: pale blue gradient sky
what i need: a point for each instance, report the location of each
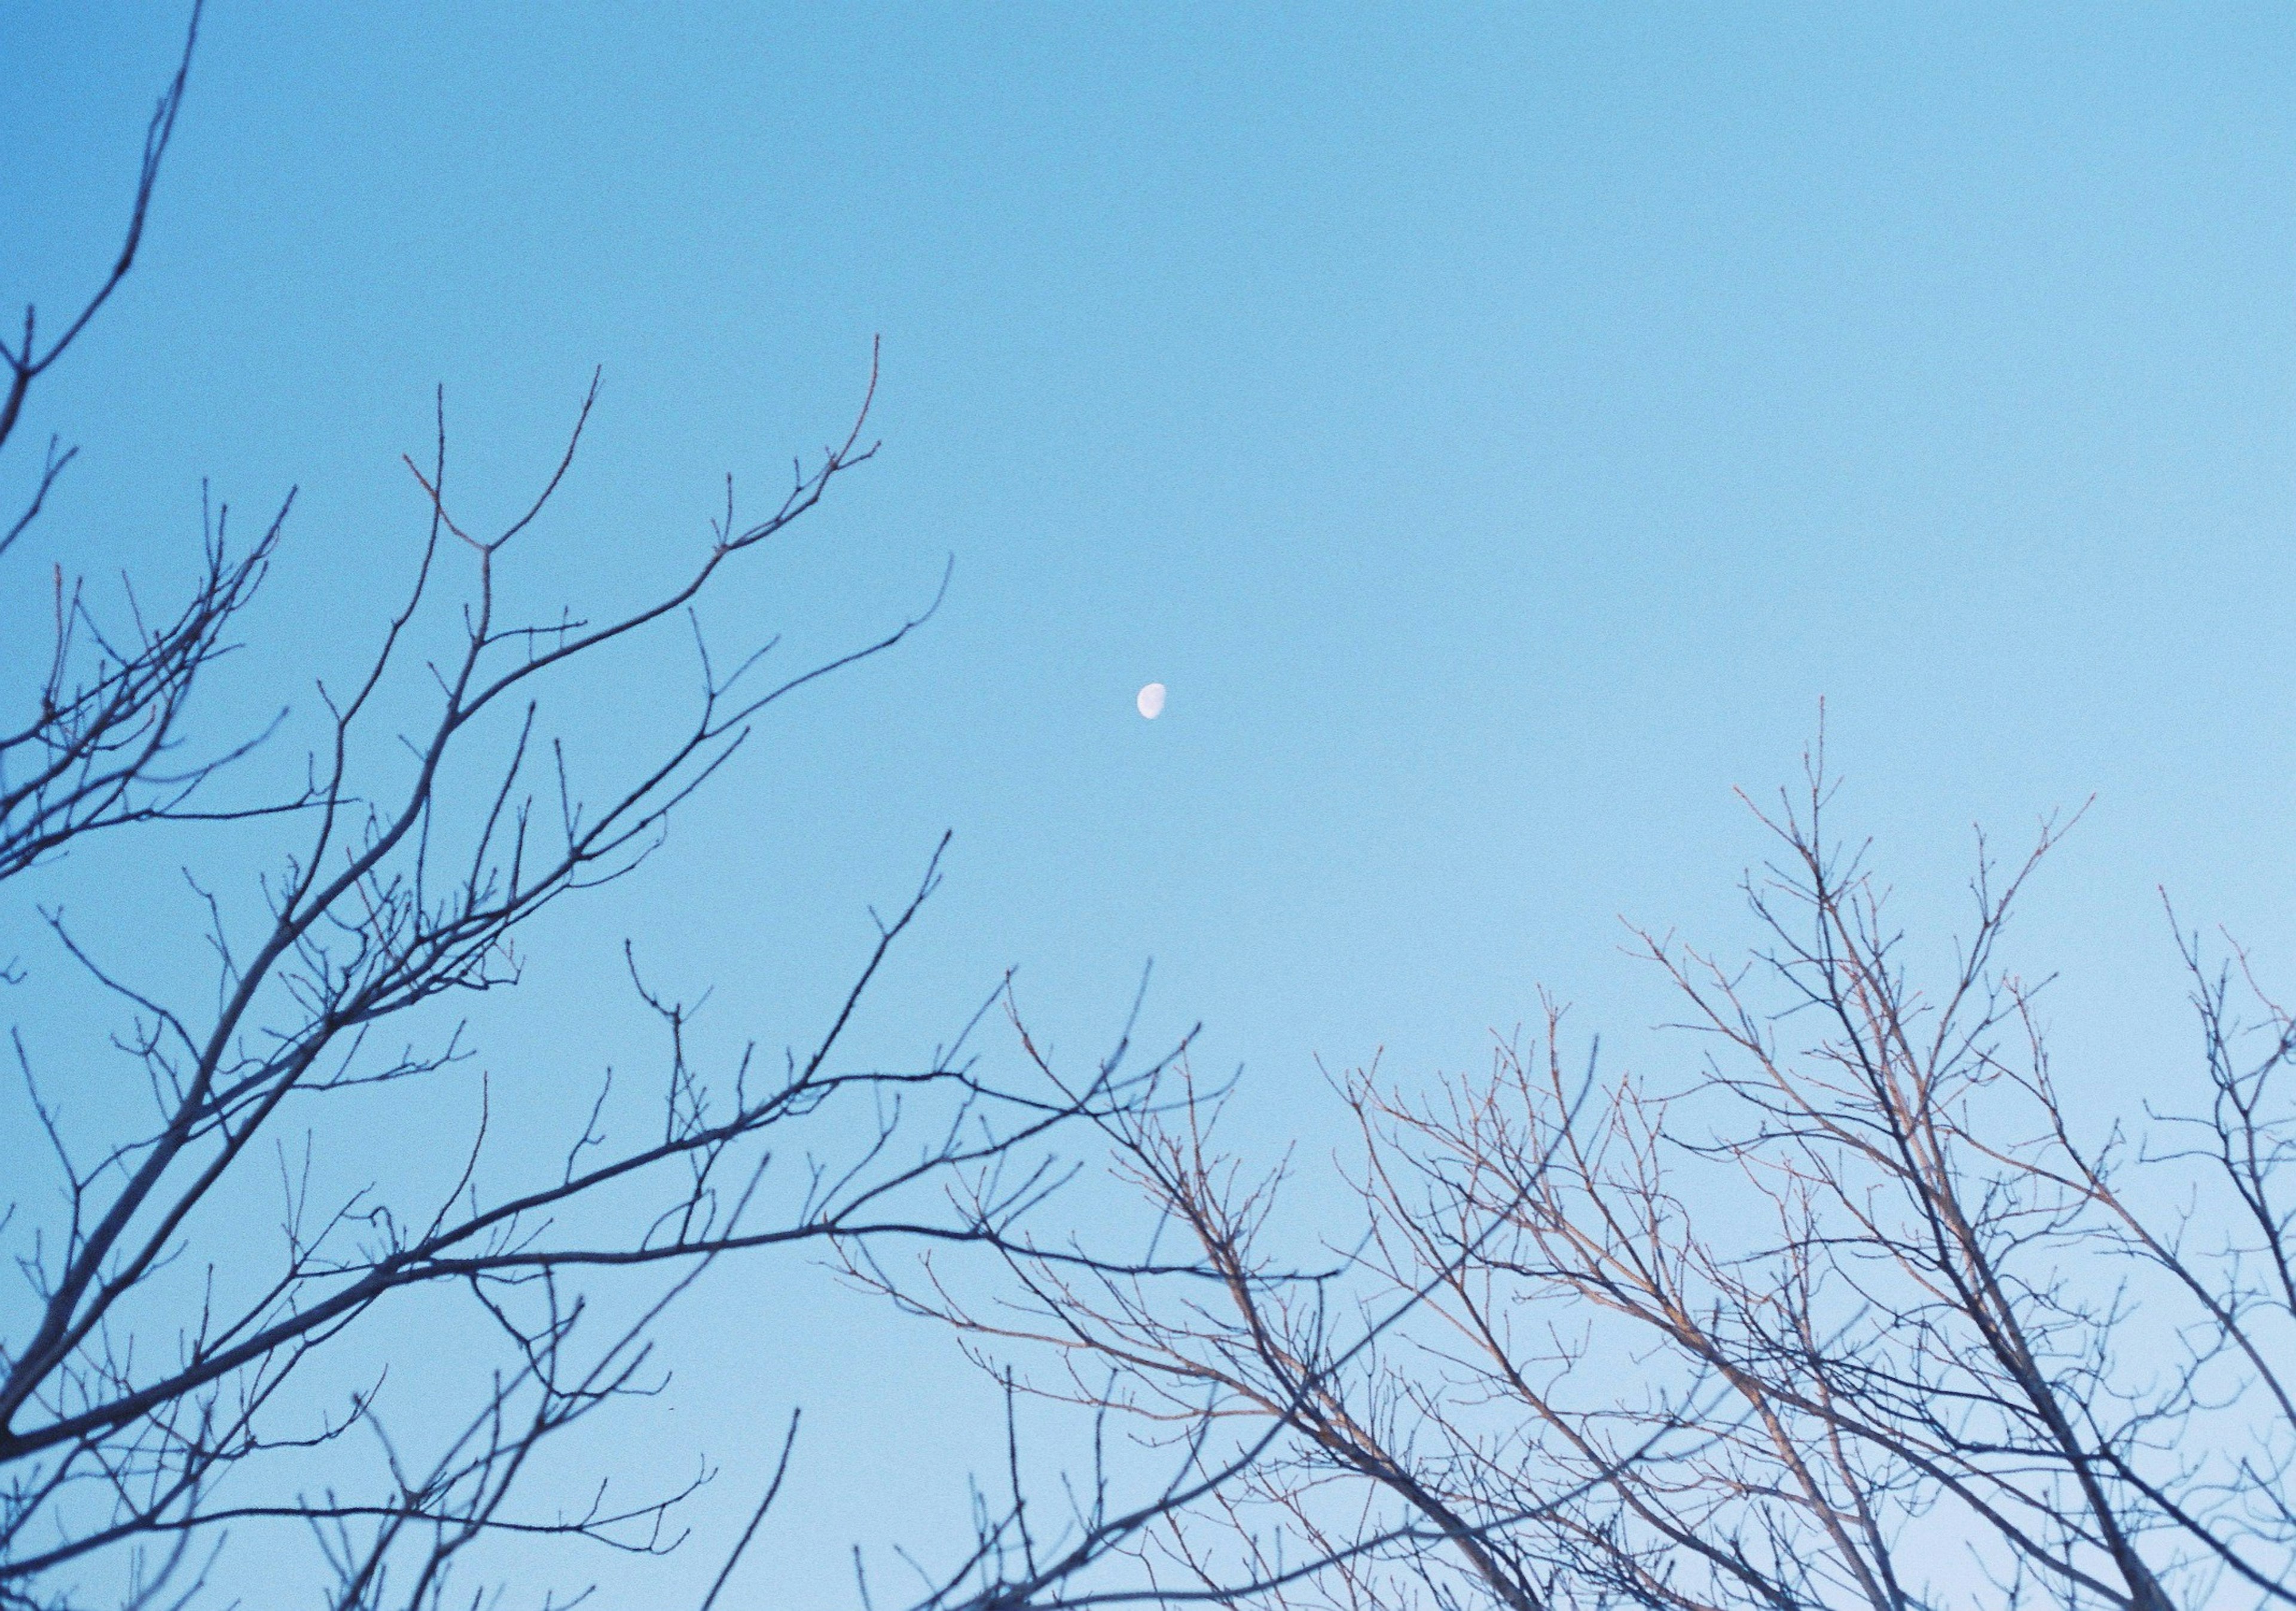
(1499, 426)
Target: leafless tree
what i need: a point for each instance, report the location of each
(1865, 1312)
(1862, 1312)
(165, 1375)
(95, 746)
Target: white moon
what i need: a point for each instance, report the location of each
(1152, 700)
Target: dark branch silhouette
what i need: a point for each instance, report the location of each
(1864, 1313)
(168, 1380)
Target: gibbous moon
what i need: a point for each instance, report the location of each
(1152, 700)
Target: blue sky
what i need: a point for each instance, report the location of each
(1499, 426)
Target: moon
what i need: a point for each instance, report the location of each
(1152, 700)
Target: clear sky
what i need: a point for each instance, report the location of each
(1499, 426)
